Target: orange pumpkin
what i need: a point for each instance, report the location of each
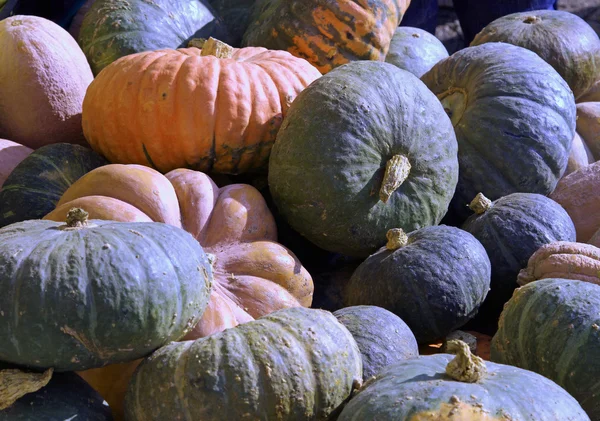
(11, 153)
(254, 275)
(327, 33)
(213, 109)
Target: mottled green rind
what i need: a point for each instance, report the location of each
(36, 185)
(511, 231)
(551, 327)
(516, 132)
(415, 50)
(124, 289)
(236, 14)
(294, 364)
(405, 390)
(382, 337)
(115, 28)
(66, 397)
(435, 283)
(327, 165)
(562, 39)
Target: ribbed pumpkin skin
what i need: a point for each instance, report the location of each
(562, 39)
(551, 327)
(65, 397)
(294, 364)
(324, 32)
(435, 283)
(415, 50)
(226, 124)
(328, 164)
(85, 298)
(382, 337)
(236, 15)
(43, 79)
(11, 153)
(115, 28)
(419, 390)
(36, 184)
(511, 231)
(515, 132)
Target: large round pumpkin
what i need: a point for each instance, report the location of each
(223, 113)
(415, 50)
(434, 278)
(514, 118)
(295, 364)
(35, 185)
(43, 79)
(90, 293)
(253, 274)
(115, 28)
(364, 149)
(326, 33)
(438, 387)
(551, 327)
(562, 39)
(11, 154)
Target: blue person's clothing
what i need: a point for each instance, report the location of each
(473, 15)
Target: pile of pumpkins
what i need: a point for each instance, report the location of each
(274, 209)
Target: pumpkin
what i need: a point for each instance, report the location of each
(511, 229)
(86, 294)
(464, 387)
(514, 118)
(393, 162)
(43, 79)
(551, 327)
(415, 50)
(382, 337)
(236, 15)
(562, 39)
(588, 127)
(75, 25)
(253, 274)
(36, 184)
(51, 396)
(225, 122)
(573, 194)
(580, 156)
(326, 33)
(434, 279)
(293, 364)
(11, 153)
(592, 94)
(115, 28)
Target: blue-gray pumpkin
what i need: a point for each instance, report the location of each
(415, 50)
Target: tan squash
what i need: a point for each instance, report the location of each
(580, 155)
(588, 126)
(11, 153)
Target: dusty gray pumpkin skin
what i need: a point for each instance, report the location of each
(294, 364)
(382, 337)
(415, 50)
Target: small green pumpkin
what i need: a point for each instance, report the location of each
(415, 50)
(434, 279)
(91, 293)
(293, 364)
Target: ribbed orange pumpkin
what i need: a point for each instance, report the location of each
(253, 275)
(212, 109)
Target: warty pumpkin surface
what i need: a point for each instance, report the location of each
(327, 33)
(186, 108)
(254, 275)
(11, 153)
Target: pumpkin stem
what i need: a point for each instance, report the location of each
(532, 19)
(16, 383)
(77, 218)
(480, 204)
(465, 367)
(396, 238)
(396, 171)
(212, 47)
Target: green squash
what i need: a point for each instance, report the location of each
(415, 50)
(36, 184)
(363, 149)
(514, 118)
(236, 14)
(438, 387)
(551, 327)
(91, 293)
(65, 397)
(115, 28)
(434, 279)
(562, 39)
(511, 229)
(382, 337)
(293, 364)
